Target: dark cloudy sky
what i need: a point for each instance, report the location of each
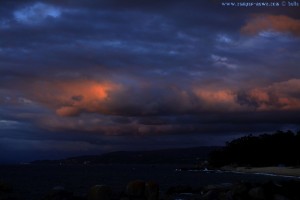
(81, 77)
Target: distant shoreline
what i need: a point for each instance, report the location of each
(280, 171)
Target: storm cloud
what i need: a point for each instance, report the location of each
(146, 73)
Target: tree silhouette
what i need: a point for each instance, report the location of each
(279, 148)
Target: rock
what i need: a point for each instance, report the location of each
(239, 191)
(222, 186)
(257, 193)
(58, 188)
(5, 188)
(270, 188)
(185, 196)
(135, 188)
(280, 197)
(59, 193)
(151, 191)
(211, 195)
(290, 189)
(179, 189)
(228, 195)
(100, 192)
(6, 192)
(8, 197)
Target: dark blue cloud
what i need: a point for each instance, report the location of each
(169, 73)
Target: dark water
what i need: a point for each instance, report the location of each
(33, 181)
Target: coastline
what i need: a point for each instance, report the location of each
(46, 181)
(278, 171)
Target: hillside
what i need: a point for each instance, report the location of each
(165, 156)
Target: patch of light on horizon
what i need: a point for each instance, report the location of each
(46, 145)
(36, 13)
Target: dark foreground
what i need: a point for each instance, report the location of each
(32, 182)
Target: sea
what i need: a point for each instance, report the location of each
(34, 181)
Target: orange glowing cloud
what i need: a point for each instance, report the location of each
(70, 98)
(278, 96)
(67, 111)
(217, 100)
(278, 23)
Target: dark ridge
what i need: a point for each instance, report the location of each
(164, 156)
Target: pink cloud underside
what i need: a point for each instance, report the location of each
(278, 23)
